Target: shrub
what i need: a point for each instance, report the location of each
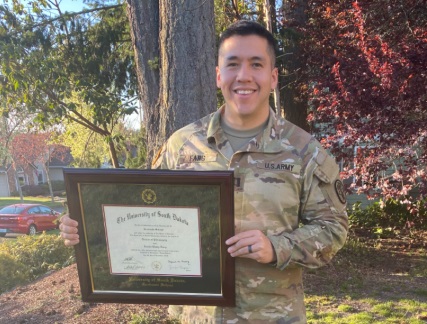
(389, 214)
(33, 190)
(12, 272)
(57, 185)
(31, 257)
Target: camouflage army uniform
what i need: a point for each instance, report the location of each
(283, 178)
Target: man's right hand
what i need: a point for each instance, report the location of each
(68, 228)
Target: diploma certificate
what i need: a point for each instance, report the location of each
(153, 236)
(153, 241)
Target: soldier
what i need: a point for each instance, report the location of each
(290, 208)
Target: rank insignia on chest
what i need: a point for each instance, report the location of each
(239, 183)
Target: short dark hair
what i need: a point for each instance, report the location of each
(247, 28)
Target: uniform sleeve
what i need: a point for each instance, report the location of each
(159, 161)
(165, 157)
(323, 217)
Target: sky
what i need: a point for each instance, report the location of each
(71, 5)
(67, 5)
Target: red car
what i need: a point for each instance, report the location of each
(27, 219)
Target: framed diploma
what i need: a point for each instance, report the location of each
(153, 236)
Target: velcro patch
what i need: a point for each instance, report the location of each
(197, 158)
(280, 166)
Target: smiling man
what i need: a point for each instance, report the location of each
(246, 75)
(290, 208)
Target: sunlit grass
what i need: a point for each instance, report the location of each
(4, 201)
(359, 318)
(323, 310)
(386, 310)
(344, 308)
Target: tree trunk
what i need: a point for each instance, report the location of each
(294, 103)
(269, 9)
(3, 140)
(113, 153)
(49, 183)
(174, 44)
(18, 185)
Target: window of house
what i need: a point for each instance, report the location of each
(40, 177)
(21, 179)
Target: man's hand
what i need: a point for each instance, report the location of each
(253, 245)
(68, 228)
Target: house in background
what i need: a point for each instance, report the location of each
(55, 168)
(4, 183)
(8, 182)
(34, 174)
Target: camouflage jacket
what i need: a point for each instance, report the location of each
(288, 187)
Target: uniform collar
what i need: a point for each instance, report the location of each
(264, 142)
(214, 125)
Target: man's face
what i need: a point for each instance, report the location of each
(246, 76)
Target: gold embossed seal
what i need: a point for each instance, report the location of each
(156, 265)
(149, 196)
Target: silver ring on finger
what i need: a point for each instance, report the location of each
(250, 248)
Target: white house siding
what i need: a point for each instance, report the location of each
(56, 174)
(4, 185)
(363, 199)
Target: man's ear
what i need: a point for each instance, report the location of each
(274, 78)
(218, 77)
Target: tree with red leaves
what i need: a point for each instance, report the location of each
(30, 149)
(367, 66)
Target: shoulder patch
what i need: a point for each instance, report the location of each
(327, 169)
(339, 189)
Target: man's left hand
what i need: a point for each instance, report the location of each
(253, 245)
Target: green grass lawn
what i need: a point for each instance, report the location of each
(370, 284)
(47, 201)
